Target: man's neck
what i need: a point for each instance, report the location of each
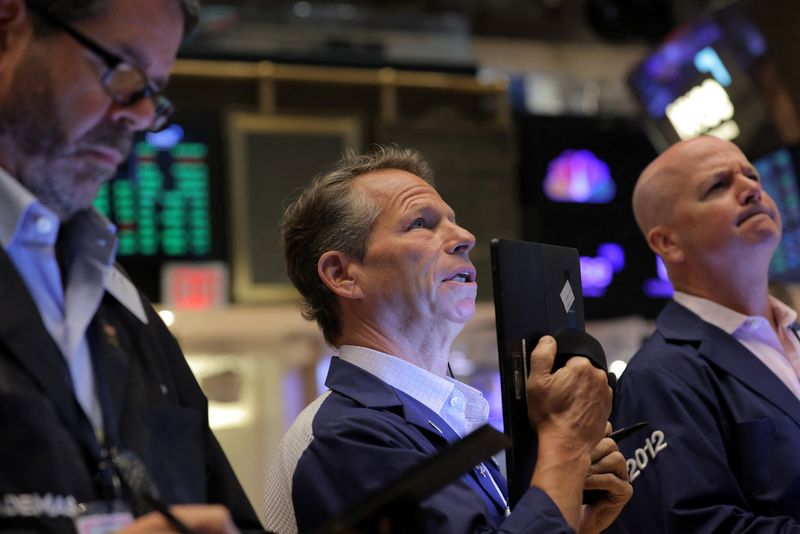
(430, 354)
(743, 287)
(747, 301)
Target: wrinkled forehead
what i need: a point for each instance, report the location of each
(394, 188)
(689, 163)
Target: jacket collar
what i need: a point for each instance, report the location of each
(678, 324)
(372, 392)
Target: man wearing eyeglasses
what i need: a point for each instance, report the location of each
(101, 419)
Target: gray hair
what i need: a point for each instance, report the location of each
(330, 215)
(76, 10)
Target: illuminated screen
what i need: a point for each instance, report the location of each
(701, 81)
(778, 171)
(161, 203)
(577, 176)
(166, 201)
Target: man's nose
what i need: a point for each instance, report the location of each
(137, 116)
(462, 240)
(750, 192)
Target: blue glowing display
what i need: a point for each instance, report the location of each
(579, 176)
(659, 287)
(779, 179)
(166, 139)
(597, 272)
(693, 52)
(707, 60)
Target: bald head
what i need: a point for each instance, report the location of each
(661, 182)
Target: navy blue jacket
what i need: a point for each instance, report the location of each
(367, 433)
(722, 451)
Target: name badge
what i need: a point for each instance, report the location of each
(102, 517)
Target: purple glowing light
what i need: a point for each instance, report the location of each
(658, 287)
(597, 273)
(579, 176)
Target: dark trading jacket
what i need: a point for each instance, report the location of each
(367, 433)
(722, 451)
(160, 410)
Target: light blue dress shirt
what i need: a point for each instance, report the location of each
(28, 233)
(464, 408)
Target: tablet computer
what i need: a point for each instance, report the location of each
(537, 291)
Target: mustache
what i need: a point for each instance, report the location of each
(756, 209)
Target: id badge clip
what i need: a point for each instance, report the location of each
(102, 517)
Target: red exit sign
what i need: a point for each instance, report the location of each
(194, 286)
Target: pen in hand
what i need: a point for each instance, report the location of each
(133, 474)
(622, 433)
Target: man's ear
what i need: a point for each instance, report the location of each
(15, 27)
(664, 242)
(335, 271)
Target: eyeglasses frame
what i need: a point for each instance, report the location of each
(163, 107)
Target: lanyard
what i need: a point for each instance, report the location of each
(99, 446)
(486, 472)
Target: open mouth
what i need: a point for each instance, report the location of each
(462, 277)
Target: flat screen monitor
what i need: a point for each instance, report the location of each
(779, 172)
(167, 201)
(704, 79)
(577, 176)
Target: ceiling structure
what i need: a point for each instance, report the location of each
(643, 21)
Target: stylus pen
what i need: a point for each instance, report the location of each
(622, 433)
(179, 525)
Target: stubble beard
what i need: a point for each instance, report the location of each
(33, 137)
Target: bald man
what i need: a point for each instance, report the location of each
(718, 380)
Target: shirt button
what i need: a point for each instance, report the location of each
(44, 225)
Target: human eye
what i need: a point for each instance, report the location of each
(419, 222)
(717, 184)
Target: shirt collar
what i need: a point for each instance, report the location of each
(784, 315)
(428, 388)
(727, 319)
(23, 218)
(15, 201)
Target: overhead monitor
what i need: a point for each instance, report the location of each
(707, 78)
(167, 201)
(779, 176)
(577, 176)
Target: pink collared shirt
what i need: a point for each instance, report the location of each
(780, 353)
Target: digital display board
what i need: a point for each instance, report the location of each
(160, 202)
(779, 171)
(168, 200)
(703, 80)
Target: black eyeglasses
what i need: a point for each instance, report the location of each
(125, 83)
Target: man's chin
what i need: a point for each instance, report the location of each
(462, 312)
(79, 199)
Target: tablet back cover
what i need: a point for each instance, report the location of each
(537, 291)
